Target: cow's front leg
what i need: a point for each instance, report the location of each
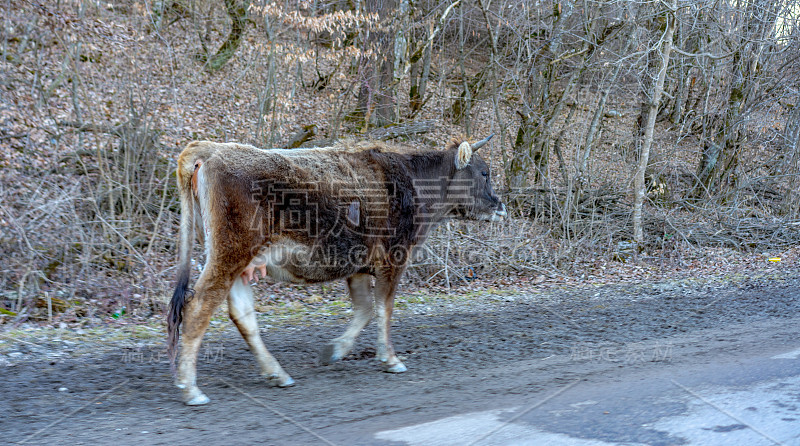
(242, 313)
(384, 301)
(196, 316)
(360, 288)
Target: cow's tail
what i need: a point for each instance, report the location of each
(188, 164)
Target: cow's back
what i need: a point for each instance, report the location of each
(324, 166)
(325, 210)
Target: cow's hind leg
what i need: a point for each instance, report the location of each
(242, 313)
(209, 293)
(360, 288)
(384, 302)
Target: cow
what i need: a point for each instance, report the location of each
(352, 211)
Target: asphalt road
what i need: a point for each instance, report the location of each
(741, 387)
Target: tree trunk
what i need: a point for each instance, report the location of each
(364, 100)
(238, 15)
(400, 54)
(520, 165)
(644, 157)
(420, 73)
(387, 91)
(377, 97)
(655, 27)
(460, 110)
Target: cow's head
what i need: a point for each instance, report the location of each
(471, 187)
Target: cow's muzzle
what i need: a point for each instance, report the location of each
(500, 213)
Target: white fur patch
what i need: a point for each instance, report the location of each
(203, 208)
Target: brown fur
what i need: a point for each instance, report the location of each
(290, 212)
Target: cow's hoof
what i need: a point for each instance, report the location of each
(279, 381)
(329, 354)
(195, 398)
(396, 368)
(198, 401)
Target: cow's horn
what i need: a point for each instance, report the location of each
(482, 142)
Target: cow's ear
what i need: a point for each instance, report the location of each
(463, 155)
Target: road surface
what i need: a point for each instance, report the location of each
(667, 363)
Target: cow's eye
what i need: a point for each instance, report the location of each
(485, 174)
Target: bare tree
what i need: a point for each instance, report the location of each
(655, 101)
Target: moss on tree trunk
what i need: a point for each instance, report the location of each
(238, 15)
